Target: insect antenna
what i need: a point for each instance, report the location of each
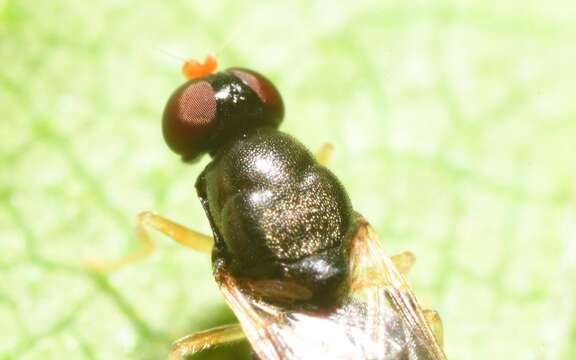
(171, 54)
(229, 39)
(193, 69)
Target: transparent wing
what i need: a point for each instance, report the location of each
(379, 319)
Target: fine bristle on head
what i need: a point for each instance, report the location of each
(193, 69)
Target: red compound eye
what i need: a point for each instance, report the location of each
(265, 90)
(189, 116)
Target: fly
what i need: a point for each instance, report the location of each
(305, 274)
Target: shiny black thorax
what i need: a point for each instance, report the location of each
(281, 222)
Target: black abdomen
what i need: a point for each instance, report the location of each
(276, 213)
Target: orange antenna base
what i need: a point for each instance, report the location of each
(193, 69)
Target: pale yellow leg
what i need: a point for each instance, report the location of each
(435, 322)
(179, 233)
(184, 236)
(324, 154)
(404, 261)
(195, 343)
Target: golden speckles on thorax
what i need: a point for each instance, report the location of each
(271, 205)
(302, 221)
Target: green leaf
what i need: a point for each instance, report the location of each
(454, 126)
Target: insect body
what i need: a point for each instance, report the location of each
(304, 273)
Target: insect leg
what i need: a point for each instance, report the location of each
(179, 233)
(435, 322)
(184, 236)
(191, 344)
(404, 261)
(324, 154)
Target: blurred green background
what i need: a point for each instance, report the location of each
(455, 131)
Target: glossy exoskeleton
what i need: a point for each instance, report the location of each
(304, 274)
(280, 220)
